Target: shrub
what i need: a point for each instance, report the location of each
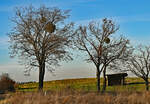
(6, 83)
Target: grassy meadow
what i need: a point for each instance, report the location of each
(83, 84)
(78, 91)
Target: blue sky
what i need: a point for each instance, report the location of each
(133, 17)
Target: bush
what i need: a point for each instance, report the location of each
(6, 83)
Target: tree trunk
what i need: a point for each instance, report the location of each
(147, 83)
(41, 75)
(104, 82)
(98, 79)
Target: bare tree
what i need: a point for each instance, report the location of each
(118, 50)
(139, 63)
(40, 38)
(91, 39)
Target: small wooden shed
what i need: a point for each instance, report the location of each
(116, 79)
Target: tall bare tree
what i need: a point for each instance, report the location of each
(139, 63)
(40, 38)
(91, 39)
(117, 49)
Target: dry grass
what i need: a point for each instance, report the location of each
(75, 97)
(77, 91)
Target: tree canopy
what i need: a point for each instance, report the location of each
(40, 37)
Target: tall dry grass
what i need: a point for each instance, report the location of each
(74, 97)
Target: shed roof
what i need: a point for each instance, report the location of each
(118, 74)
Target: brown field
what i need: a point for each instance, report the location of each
(75, 97)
